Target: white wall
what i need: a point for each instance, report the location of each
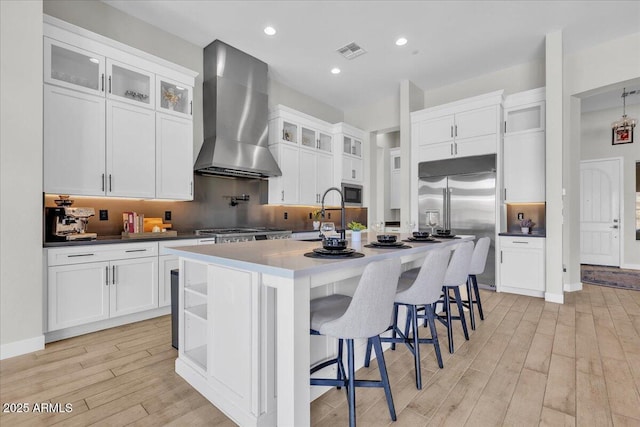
(513, 79)
(383, 115)
(284, 95)
(20, 177)
(595, 137)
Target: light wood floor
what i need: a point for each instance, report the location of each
(528, 363)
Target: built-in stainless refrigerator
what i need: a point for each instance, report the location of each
(464, 192)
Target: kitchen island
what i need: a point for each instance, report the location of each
(244, 321)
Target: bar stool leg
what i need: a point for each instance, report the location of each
(367, 354)
(341, 374)
(382, 367)
(416, 345)
(477, 292)
(470, 302)
(351, 387)
(447, 309)
(430, 313)
(456, 291)
(395, 322)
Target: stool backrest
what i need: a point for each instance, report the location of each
(459, 264)
(369, 313)
(427, 287)
(479, 258)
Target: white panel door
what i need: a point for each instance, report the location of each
(474, 123)
(524, 167)
(429, 152)
(174, 157)
(600, 212)
(307, 179)
(436, 130)
(77, 294)
(290, 168)
(133, 286)
(131, 147)
(74, 153)
(167, 263)
(324, 179)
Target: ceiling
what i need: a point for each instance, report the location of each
(448, 41)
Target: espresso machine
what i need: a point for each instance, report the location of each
(68, 223)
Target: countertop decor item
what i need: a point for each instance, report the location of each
(526, 225)
(356, 230)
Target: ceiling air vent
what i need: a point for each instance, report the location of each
(351, 51)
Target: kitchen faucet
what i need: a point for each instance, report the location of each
(342, 211)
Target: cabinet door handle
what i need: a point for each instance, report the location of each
(78, 255)
(191, 188)
(113, 274)
(456, 148)
(102, 82)
(505, 126)
(282, 196)
(109, 84)
(106, 282)
(500, 257)
(614, 226)
(191, 107)
(456, 131)
(505, 194)
(451, 147)
(102, 182)
(110, 190)
(521, 242)
(136, 250)
(353, 173)
(451, 128)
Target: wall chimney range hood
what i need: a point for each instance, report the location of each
(235, 115)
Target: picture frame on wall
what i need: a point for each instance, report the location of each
(622, 135)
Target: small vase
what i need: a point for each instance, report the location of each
(170, 106)
(316, 225)
(356, 235)
(525, 230)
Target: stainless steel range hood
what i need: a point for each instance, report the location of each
(235, 115)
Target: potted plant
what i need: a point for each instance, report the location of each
(171, 97)
(316, 216)
(526, 225)
(356, 230)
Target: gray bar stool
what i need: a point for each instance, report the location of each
(365, 315)
(419, 294)
(478, 264)
(456, 276)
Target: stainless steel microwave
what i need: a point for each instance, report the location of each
(352, 194)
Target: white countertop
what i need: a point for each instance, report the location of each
(286, 258)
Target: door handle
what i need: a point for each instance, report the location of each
(614, 226)
(191, 188)
(102, 182)
(106, 282)
(456, 148)
(102, 82)
(113, 275)
(500, 257)
(109, 84)
(451, 147)
(191, 108)
(451, 127)
(110, 190)
(456, 131)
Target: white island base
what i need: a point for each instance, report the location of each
(244, 322)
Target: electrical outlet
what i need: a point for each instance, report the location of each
(329, 215)
(104, 215)
(286, 215)
(167, 215)
(520, 216)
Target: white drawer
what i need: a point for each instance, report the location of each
(93, 253)
(162, 246)
(522, 242)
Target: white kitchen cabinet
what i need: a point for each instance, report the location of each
(92, 283)
(351, 145)
(352, 169)
(74, 68)
(285, 189)
(353, 154)
(77, 294)
(106, 145)
(316, 176)
(464, 128)
(173, 97)
(394, 178)
(315, 139)
(522, 266)
(130, 84)
(131, 146)
(325, 179)
(134, 286)
(524, 167)
(174, 157)
(74, 142)
(524, 147)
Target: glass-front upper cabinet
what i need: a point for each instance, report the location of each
(74, 68)
(308, 137)
(324, 142)
(289, 132)
(130, 84)
(352, 146)
(174, 97)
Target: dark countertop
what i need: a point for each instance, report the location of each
(519, 234)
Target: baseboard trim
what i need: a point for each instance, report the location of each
(630, 266)
(19, 348)
(556, 298)
(572, 287)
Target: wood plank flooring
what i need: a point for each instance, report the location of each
(528, 363)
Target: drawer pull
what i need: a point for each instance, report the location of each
(521, 242)
(136, 250)
(79, 255)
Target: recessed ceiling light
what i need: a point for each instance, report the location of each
(401, 41)
(270, 31)
(335, 70)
